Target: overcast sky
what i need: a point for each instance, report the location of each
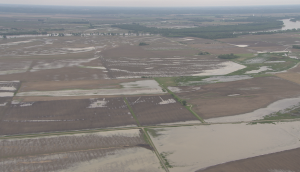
(152, 3)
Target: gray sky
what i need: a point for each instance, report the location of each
(153, 3)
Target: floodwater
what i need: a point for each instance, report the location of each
(222, 69)
(261, 69)
(259, 113)
(216, 79)
(129, 88)
(195, 147)
(290, 25)
(130, 159)
(6, 94)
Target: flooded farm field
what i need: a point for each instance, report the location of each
(153, 110)
(127, 88)
(217, 100)
(103, 151)
(60, 115)
(198, 147)
(82, 93)
(131, 62)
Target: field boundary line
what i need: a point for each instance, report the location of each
(71, 132)
(188, 106)
(131, 111)
(162, 161)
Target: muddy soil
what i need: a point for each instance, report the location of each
(238, 97)
(60, 115)
(152, 110)
(282, 161)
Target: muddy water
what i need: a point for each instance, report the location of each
(259, 113)
(131, 159)
(222, 69)
(195, 147)
(290, 25)
(261, 69)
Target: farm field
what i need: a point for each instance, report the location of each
(61, 115)
(216, 144)
(80, 93)
(237, 97)
(282, 161)
(153, 110)
(102, 151)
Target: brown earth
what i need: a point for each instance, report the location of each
(213, 100)
(149, 112)
(287, 161)
(46, 116)
(82, 84)
(61, 74)
(146, 51)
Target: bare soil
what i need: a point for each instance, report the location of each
(60, 115)
(238, 97)
(149, 112)
(282, 161)
(82, 84)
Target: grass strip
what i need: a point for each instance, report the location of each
(131, 111)
(187, 106)
(163, 163)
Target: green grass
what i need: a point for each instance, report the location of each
(164, 157)
(276, 67)
(167, 81)
(154, 133)
(131, 111)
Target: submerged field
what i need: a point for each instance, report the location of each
(88, 96)
(103, 151)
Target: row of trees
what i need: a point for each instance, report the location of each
(296, 46)
(228, 56)
(209, 32)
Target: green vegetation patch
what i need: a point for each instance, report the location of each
(203, 53)
(296, 46)
(290, 113)
(228, 56)
(154, 132)
(143, 44)
(164, 157)
(275, 62)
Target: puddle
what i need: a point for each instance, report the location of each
(259, 113)
(3, 104)
(250, 88)
(223, 69)
(222, 143)
(165, 102)
(233, 95)
(293, 57)
(59, 64)
(261, 69)
(94, 67)
(174, 89)
(97, 103)
(17, 43)
(8, 89)
(216, 79)
(6, 94)
(275, 61)
(242, 46)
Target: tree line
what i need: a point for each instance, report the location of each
(208, 32)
